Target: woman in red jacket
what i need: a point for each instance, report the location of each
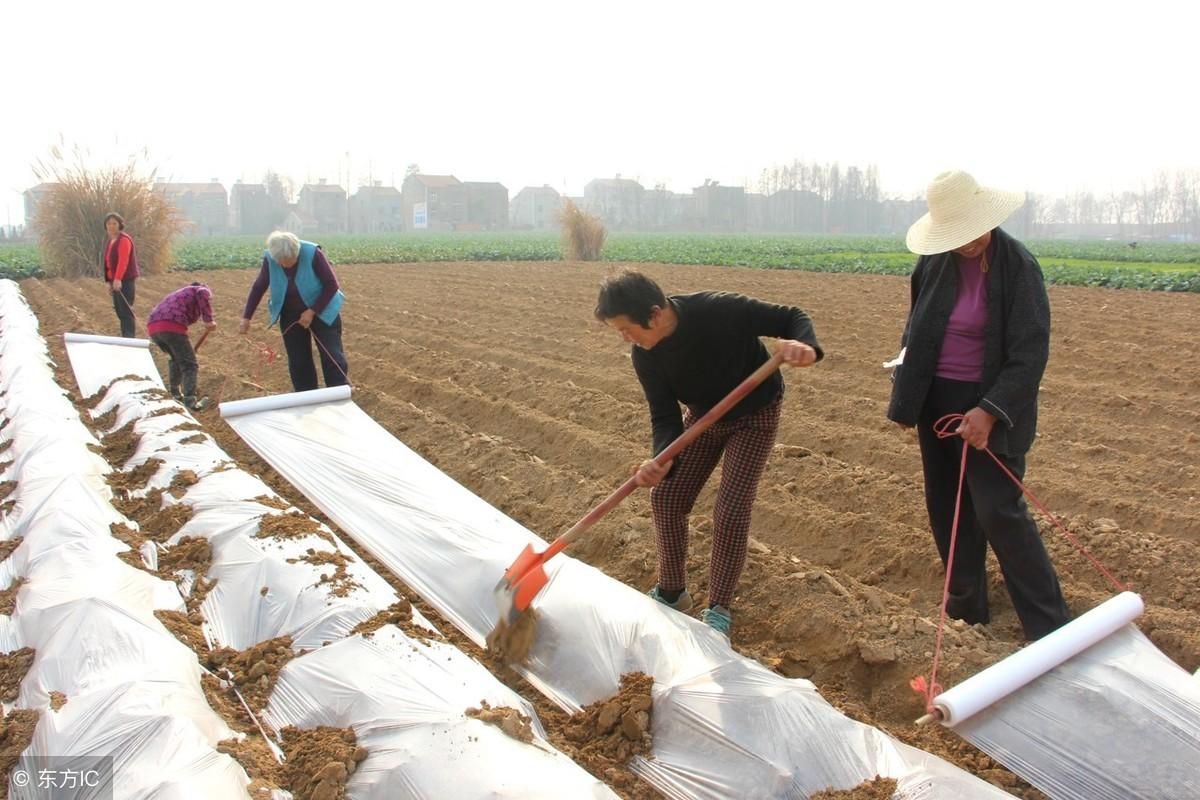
(120, 271)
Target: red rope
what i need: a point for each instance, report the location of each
(946, 427)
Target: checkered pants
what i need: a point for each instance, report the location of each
(746, 443)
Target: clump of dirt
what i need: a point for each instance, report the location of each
(266, 773)
(320, 761)
(341, 584)
(181, 481)
(294, 525)
(273, 501)
(193, 554)
(195, 438)
(5, 445)
(255, 669)
(139, 507)
(103, 422)
(512, 722)
(154, 393)
(609, 732)
(185, 628)
(161, 412)
(398, 614)
(8, 597)
(4, 422)
(875, 789)
(512, 643)
(157, 523)
(91, 400)
(7, 546)
(120, 445)
(123, 533)
(16, 732)
(185, 426)
(124, 482)
(6, 487)
(57, 700)
(13, 667)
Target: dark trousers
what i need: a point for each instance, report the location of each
(123, 305)
(297, 341)
(745, 443)
(993, 512)
(181, 365)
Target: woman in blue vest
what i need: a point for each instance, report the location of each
(306, 302)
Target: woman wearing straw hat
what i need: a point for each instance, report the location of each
(976, 344)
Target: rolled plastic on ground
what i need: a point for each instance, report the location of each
(723, 725)
(1036, 659)
(98, 360)
(1120, 720)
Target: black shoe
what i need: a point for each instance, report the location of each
(191, 403)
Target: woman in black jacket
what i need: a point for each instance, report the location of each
(976, 344)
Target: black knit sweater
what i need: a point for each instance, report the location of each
(714, 347)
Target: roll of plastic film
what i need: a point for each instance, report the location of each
(119, 340)
(314, 397)
(1002, 679)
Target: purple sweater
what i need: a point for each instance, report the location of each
(180, 309)
(961, 358)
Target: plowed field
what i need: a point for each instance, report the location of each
(497, 373)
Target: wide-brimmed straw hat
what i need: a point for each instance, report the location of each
(960, 211)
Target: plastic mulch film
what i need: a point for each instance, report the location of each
(723, 725)
(97, 360)
(284, 585)
(406, 700)
(1119, 720)
(132, 690)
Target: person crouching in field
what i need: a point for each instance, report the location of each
(168, 327)
(976, 344)
(120, 271)
(693, 349)
(306, 302)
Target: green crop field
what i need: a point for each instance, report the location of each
(1156, 265)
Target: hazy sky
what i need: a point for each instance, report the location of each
(1048, 96)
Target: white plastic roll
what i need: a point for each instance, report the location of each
(1002, 679)
(310, 398)
(88, 337)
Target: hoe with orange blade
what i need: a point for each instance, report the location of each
(514, 632)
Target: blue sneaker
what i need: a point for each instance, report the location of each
(717, 618)
(682, 603)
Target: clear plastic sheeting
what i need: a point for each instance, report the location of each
(155, 751)
(133, 691)
(1118, 721)
(97, 360)
(265, 586)
(283, 585)
(723, 725)
(406, 701)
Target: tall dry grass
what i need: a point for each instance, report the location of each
(583, 235)
(70, 220)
